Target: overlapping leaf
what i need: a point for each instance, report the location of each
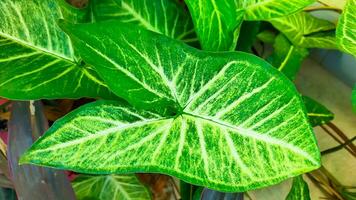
(224, 107)
(317, 113)
(346, 29)
(162, 16)
(109, 187)
(216, 23)
(304, 30)
(268, 9)
(286, 57)
(299, 190)
(37, 59)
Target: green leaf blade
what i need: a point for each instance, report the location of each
(113, 187)
(37, 56)
(317, 113)
(346, 29)
(228, 106)
(267, 9)
(299, 190)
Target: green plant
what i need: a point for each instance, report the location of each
(229, 121)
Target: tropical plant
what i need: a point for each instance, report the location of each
(173, 94)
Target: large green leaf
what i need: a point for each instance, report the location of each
(299, 190)
(37, 59)
(306, 31)
(268, 9)
(236, 124)
(216, 23)
(109, 187)
(287, 57)
(317, 113)
(346, 29)
(162, 16)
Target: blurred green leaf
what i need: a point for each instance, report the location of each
(317, 113)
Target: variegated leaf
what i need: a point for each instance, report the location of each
(268, 9)
(346, 29)
(228, 110)
(37, 59)
(161, 16)
(318, 114)
(304, 30)
(109, 187)
(217, 23)
(299, 190)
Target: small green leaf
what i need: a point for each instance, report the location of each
(286, 57)
(346, 29)
(109, 187)
(230, 110)
(267, 36)
(317, 113)
(304, 30)
(299, 190)
(37, 58)
(161, 16)
(217, 23)
(268, 9)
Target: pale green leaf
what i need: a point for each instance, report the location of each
(161, 16)
(304, 30)
(286, 57)
(299, 190)
(267, 36)
(317, 113)
(268, 9)
(216, 22)
(346, 29)
(237, 124)
(109, 187)
(37, 59)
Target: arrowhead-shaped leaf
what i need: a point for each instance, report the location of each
(109, 187)
(304, 30)
(299, 190)
(317, 113)
(346, 29)
(229, 110)
(37, 59)
(161, 16)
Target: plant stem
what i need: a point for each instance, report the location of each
(339, 147)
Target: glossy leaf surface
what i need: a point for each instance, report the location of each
(304, 30)
(287, 57)
(346, 29)
(36, 56)
(217, 23)
(317, 113)
(224, 107)
(299, 190)
(109, 187)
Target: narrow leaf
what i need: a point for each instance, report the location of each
(287, 57)
(268, 9)
(299, 190)
(346, 29)
(227, 107)
(36, 56)
(217, 23)
(161, 16)
(317, 113)
(354, 99)
(109, 187)
(304, 30)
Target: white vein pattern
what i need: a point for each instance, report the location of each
(113, 187)
(257, 116)
(346, 29)
(37, 56)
